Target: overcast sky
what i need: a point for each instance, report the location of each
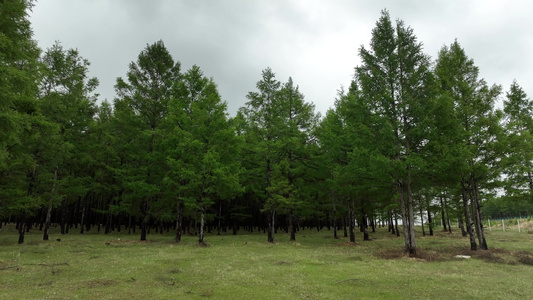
(314, 42)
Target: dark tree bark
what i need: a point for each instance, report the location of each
(351, 220)
(421, 216)
(22, 230)
(470, 231)
(49, 211)
(271, 225)
(447, 215)
(443, 215)
(292, 228)
(396, 225)
(364, 225)
(478, 216)
(179, 221)
(430, 223)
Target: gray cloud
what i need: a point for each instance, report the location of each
(315, 42)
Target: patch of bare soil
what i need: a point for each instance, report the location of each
(494, 255)
(99, 283)
(346, 244)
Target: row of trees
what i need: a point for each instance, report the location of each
(408, 136)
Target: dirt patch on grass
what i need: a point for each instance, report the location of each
(525, 258)
(421, 255)
(99, 283)
(346, 244)
(494, 255)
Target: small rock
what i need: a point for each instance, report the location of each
(462, 256)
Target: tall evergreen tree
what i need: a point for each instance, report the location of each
(203, 150)
(67, 99)
(476, 135)
(263, 129)
(395, 82)
(19, 114)
(143, 101)
(517, 145)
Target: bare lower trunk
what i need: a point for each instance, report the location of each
(421, 216)
(411, 212)
(334, 217)
(202, 224)
(144, 220)
(470, 231)
(49, 211)
(271, 226)
(179, 221)
(292, 228)
(22, 230)
(460, 222)
(82, 221)
(405, 222)
(345, 231)
(530, 177)
(396, 225)
(351, 220)
(447, 215)
(430, 223)
(478, 216)
(443, 216)
(219, 217)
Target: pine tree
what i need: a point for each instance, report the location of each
(202, 148)
(517, 145)
(142, 106)
(66, 99)
(19, 115)
(478, 128)
(395, 82)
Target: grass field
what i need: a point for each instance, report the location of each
(118, 266)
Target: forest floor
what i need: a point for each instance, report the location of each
(316, 266)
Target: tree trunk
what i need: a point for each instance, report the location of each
(82, 221)
(351, 221)
(144, 219)
(405, 221)
(219, 217)
(334, 219)
(292, 228)
(443, 217)
(49, 211)
(421, 216)
(271, 226)
(478, 216)
(109, 218)
(430, 223)
(473, 245)
(202, 223)
(364, 224)
(460, 222)
(447, 215)
(396, 225)
(22, 230)
(411, 215)
(179, 221)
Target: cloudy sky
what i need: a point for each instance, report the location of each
(314, 42)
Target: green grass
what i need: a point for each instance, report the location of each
(118, 266)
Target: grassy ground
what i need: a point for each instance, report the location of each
(118, 266)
